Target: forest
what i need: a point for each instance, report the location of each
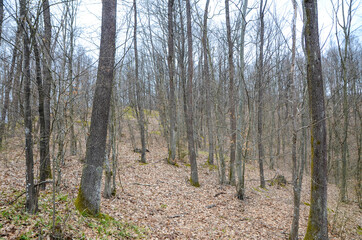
(180, 119)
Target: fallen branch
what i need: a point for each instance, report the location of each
(36, 185)
(218, 194)
(142, 184)
(178, 215)
(211, 206)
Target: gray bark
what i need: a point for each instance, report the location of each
(317, 222)
(297, 167)
(240, 163)
(139, 99)
(31, 204)
(89, 195)
(8, 86)
(1, 17)
(171, 69)
(231, 98)
(194, 180)
(260, 82)
(47, 38)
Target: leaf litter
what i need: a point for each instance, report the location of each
(157, 202)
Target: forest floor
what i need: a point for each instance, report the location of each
(156, 201)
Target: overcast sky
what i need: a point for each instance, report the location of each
(90, 14)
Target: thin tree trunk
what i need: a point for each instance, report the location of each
(89, 195)
(43, 145)
(171, 66)
(297, 168)
(240, 164)
(8, 86)
(31, 204)
(47, 84)
(73, 138)
(139, 99)
(317, 222)
(194, 180)
(260, 95)
(1, 17)
(210, 126)
(231, 98)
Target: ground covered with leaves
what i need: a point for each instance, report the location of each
(156, 201)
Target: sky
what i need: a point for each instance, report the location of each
(90, 17)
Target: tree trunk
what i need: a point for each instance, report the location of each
(317, 222)
(194, 180)
(43, 144)
(240, 164)
(139, 99)
(47, 85)
(260, 95)
(8, 86)
(297, 168)
(31, 204)
(1, 17)
(210, 130)
(231, 98)
(89, 195)
(73, 137)
(171, 67)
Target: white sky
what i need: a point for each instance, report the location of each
(90, 13)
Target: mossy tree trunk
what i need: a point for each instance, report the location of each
(89, 195)
(317, 222)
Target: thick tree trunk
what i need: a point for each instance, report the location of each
(194, 180)
(317, 222)
(231, 98)
(89, 196)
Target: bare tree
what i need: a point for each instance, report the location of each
(206, 73)
(345, 23)
(194, 180)
(45, 168)
(8, 86)
(240, 164)
(1, 17)
(297, 167)
(31, 204)
(89, 195)
(171, 69)
(260, 82)
(231, 97)
(317, 222)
